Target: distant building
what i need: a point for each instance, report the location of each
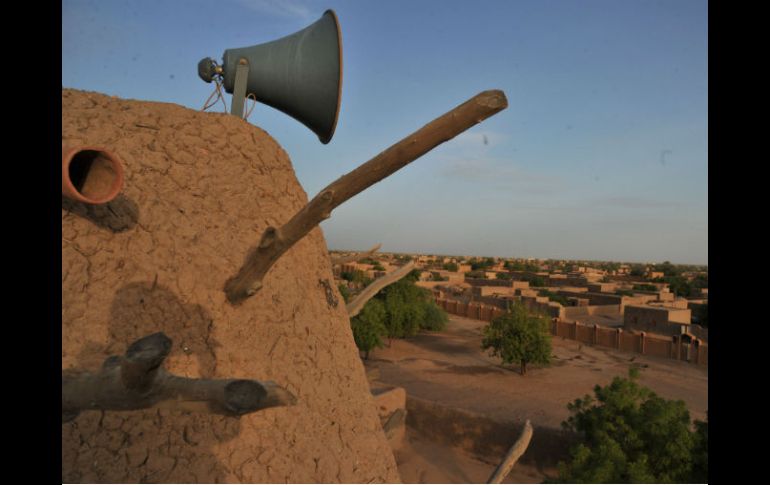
(657, 319)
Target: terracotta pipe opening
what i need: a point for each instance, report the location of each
(91, 175)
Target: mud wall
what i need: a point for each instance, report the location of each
(200, 189)
(485, 437)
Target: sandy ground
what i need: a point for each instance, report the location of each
(422, 461)
(450, 368)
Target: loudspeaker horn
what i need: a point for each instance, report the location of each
(300, 75)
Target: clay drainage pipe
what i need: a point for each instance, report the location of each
(89, 174)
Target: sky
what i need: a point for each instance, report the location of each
(602, 153)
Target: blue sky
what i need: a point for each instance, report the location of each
(602, 153)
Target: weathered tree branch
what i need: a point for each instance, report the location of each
(355, 306)
(513, 455)
(355, 257)
(137, 381)
(276, 241)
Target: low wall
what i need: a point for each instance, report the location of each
(475, 310)
(483, 436)
(488, 282)
(572, 312)
(616, 338)
(598, 299)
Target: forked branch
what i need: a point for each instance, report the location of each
(355, 306)
(137, 381)
(276, 241)
(356, 256)
(513, 455)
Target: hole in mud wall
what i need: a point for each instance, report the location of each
(92, 174)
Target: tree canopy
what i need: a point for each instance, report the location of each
(369, 326)
(450, 266)
(517, 336)
(631, 435)
(399, 310)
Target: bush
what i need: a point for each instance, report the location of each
(630, 435)
(517, 336)
(369, 326)
(435, 318)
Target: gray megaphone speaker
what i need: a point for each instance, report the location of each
(300, 75)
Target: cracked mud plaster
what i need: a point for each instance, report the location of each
(200, 189)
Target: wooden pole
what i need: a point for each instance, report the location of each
(137, 381)
(355, 257)
(355, 306)
(276, 241)
(514, 453)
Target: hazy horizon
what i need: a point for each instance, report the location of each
(602, 153)
(459, 254)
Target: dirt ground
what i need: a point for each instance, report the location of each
(424, 461)
(450, 368)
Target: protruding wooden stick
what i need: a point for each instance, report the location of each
(276, 241)
(356, 256)
(355, 306)
(137, 381)
(513, 455)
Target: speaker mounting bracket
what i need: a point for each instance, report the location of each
(239, 90)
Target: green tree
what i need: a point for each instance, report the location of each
(535, 280)
(517, 336)
(344, 291)
(701, 281)
(450, 267)
(356, 277)
(631, 435)
(679, 285)
(646, 287)
(435, 276)
(404, 311)
(700, 455)
(668, 269)
(637, 270)
(369, 326)
(555, 297)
